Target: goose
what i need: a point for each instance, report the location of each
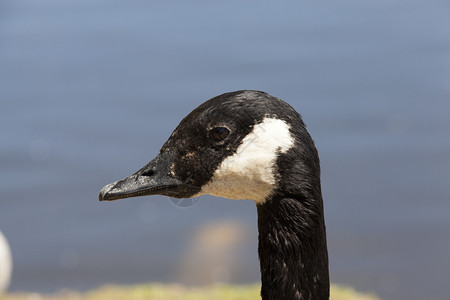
(5, 264)
(250, 145)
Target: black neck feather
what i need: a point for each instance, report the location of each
(292, 249)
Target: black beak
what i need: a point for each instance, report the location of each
(155, 178)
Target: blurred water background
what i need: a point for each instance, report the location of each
(89, 91)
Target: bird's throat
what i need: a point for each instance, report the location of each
(292, 249)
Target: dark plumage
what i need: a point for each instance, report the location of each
(250, 145)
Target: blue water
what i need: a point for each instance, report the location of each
(90, 90)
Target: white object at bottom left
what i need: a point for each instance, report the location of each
(5, 264)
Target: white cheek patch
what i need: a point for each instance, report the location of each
(250, 172)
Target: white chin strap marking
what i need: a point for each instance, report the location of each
(250, 172)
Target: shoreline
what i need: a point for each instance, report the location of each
(159, 291)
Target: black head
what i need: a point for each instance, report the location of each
(230, 146)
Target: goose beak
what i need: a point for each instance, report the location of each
(153, 179)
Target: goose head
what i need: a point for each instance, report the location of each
(231, 146)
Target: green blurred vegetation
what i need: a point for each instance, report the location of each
(175, 292)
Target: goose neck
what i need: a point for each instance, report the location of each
(292, 249)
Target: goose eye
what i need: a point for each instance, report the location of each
(219, 133)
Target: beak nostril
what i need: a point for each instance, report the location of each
(148, 173)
